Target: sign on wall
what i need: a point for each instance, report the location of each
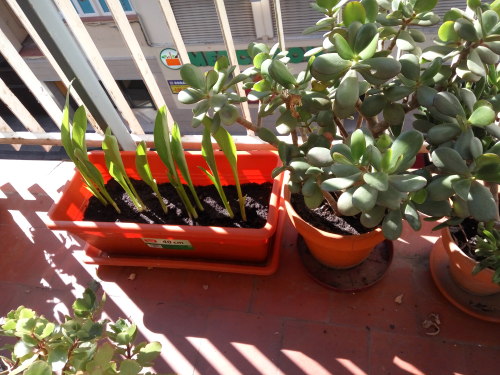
(170, 58)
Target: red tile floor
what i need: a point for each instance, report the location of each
(216, 323)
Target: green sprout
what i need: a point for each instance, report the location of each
(166, 151)
(142, 165)
(488, 250)
(73, 141)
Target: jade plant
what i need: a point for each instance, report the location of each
(82, 344)
(487, 250)
(376, 68)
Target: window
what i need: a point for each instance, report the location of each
(95, 8)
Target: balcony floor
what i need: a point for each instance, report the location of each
(216, 323)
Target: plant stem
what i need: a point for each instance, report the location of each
(295, 138)
(331, 201)
(403, 27)
(247, 124)
(340, 125)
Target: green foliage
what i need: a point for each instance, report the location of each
(73, 141)
(81, 344)
(142, 166)
(452, 88)
(488, 250)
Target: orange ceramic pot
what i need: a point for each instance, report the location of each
(333, 250)
(461, 266)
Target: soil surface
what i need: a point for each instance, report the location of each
(324, 218)
(214, 214)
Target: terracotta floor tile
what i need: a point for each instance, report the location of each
(392, 354)
(482, 361)
(239, 343)
(323, 349)
(217, 290)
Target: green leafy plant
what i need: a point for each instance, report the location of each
(170, 151)
(488, 250)
(451, 89)
(116, 169)
(142, 166)
(73, 141)
(82, 344)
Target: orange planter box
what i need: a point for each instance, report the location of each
(177, 241)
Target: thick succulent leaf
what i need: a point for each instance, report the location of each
(396, 93)
(394, 114)
(347, 93)
(482, 116)
(373, 105)
(190, 96)
(466, 30)
(392, 226)
(280, 73)
(432, 71)
(488, 168)
(423, 125)
(442, 133)
(343, 170)
(364, 36)
(462, 187)
(433, 52)
(342, 47)
(314, 201)
(374, 157)
(329, 66)
(412, 217)
(482, 206)
(475, 64)
(383, 68)
(358, 144)
(486, 55)
(447, 32)
(345, 204)
(406, 146)
(424, 5)
(450, 161)
(372, 218)
(319, 157)
(365, 197)
(407, 182)
(441, 187)
(410, 66)
(377, 180)
(352, 12)
(340, 183)
(405, 42)
(193, 76)
(490, 20)
(434, 208)
(343, 149)
(390, 198)
(310, 187)
(448, 104)
(228, 114)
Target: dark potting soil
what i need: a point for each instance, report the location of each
(214, 214)
(324, 218)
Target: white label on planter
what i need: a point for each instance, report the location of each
(160, 243)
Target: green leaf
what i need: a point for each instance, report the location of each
(441, 187)
(372, 218)
(319, 157)
(329, 66)
(345, 204)
(394, 114)
(412, 217)
(353, 11)
(365, 197)
(442, 133)
(373, 105)
(193, 76)
(340, 183)
(448, 104)
(488, 168)
(405, 42)
(406, 146)
(462, 188)
(280, 73)
(424, 5)
(260, 58)
(364, 37)
(466, 30)
(475, 64)
(57, 357)
(407, 182)
(447, 32)
(392, 226)
(377, 180)
(190, 96)
(358, 144)
(383, 68)
(149, 353)
(39, 368)
(221, 64)
(343, 170)
(482, 206)
(371, 8)
(347, 93)
(342, 47)
(435, 208)
(130, 367)
(450, 160)
(482, 116)
(142, 166)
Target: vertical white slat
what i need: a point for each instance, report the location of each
(36, 87)
(5, 128)
(20, 111)
(134, 47)
(72, 60)
(174, 30)
(83, 37)
(34, 35)
(231, 52)
(279, 24)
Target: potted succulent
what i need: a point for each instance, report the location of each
(81, 344)
(167, 239)
(362, 169)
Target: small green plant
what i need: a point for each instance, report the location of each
(488, 250)
(73, 141)
(116, 169)
(82, 344)
(142, 166)
(170, 151)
